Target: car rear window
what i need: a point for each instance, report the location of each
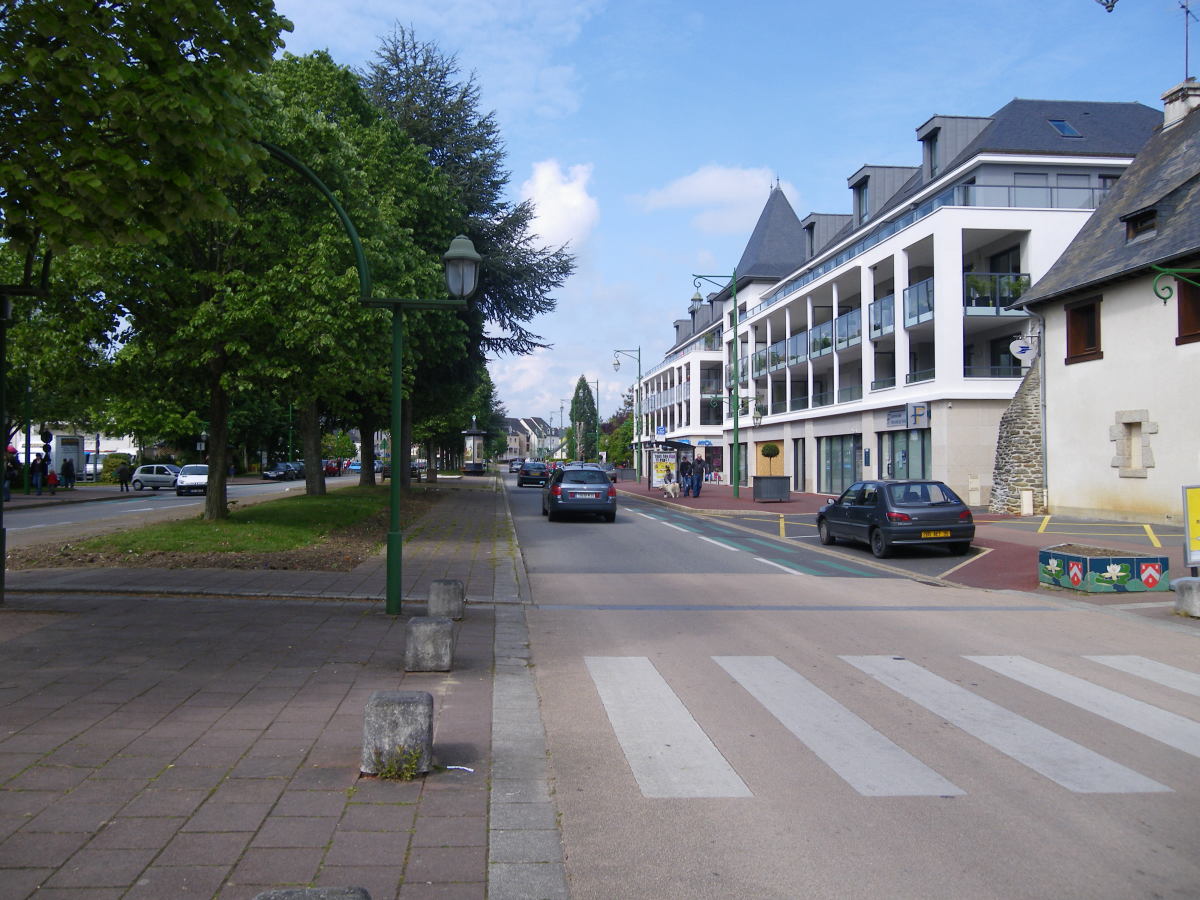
(585, 477)
(535, 467)
(925, 494)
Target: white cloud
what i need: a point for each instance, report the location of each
(726, 200)
(566, 212)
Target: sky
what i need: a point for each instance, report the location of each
(648, 133)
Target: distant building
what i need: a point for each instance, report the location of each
(875, 343)
(1120, 346)
(528, 438)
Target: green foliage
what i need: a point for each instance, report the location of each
(108, 468)
(337, 446)
(585, 418)
(399, 765)
(124, 120)
(616, 444)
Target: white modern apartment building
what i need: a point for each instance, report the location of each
(876, 343)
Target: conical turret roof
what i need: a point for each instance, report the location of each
(775, 248)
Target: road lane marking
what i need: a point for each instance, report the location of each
(1061, 760)
(677, 527)
(791, 570)
(719, 543)
(667, 750)
(1167, 727)
(1154, 542)
(1160, 673)
(865, 759)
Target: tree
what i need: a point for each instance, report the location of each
(419, 88)
(124, 120)
(769, 452)
(584, 418)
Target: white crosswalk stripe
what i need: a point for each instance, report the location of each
(1159, 724)
(669, 753)
(671, 756)
(864, 758)
(1061, 760)
(1161, 673)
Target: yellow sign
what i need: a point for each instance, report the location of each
(1191, 525)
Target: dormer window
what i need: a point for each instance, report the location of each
(1141, 224)
(1064, 128)
(932, 163)
(861, 201)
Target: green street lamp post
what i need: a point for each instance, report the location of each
(597, 383)
(734, 400)
(634, 354)
(462, 277)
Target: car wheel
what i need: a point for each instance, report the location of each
(544, 510)
(137, 485)
(551, 515)
(610, 517)
(879, 545)
(178, 492)
(960, 548)
(825, 534)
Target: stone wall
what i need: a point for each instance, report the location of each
(1019, 465)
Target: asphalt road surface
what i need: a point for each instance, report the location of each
(734, 717)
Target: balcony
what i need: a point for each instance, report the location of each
(993, 372)
(988, 293)
(918, 303)
(759, 362)
(919, 375)
(849, 393)
(712, 340)
(779, 406)
(777, 356)
(848, 329)
(799, 403)
(820, 340)
(882, 313)
(797, 348)
(825, 398)
(880, 384)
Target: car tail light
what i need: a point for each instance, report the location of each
(556, 490)
(964, 517)
(612, 491)
(899, 517)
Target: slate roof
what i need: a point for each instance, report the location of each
(1166, 176)
(1023, 126)
(774, 248)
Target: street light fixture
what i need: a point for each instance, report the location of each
(734, 401)
(462, 277)
(634, 354)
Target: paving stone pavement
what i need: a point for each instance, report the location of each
(176, 733)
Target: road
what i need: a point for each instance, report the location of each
(728, 716)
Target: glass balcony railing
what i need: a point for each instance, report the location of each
(880, 384)
(919, 375)
(779, 406)
(825, 398)
(882, 315)
(759, 362)
(777, 356)
(849, 393)
(993, 372)
(918, 303)
(988, 293)
(848, 329)
(820, 339)
(797, 348)
(799, 403)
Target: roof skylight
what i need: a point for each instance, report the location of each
(1063, 127)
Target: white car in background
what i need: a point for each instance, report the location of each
(192, 478)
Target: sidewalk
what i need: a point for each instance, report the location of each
(161, 735)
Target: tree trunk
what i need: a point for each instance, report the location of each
(366, 453)
(215, 505)
(310, 440)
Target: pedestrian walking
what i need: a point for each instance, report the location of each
(11, 474)
(685, 476)
(52, 481)
(699, 469)
(68, 474)
(37, 473)
(123, 475)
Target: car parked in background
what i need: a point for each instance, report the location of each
(580, 488)
(192, 479)
(515, 465)
(281, 471)
(332, 467)
(159, 475)
(533, 472)
(887, 514)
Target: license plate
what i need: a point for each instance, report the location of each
(575, 496)
(935, 534)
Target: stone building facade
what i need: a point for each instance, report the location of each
(1019, 465)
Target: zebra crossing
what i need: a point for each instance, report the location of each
(672, 755)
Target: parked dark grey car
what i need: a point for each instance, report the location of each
(885, 514)
(533, 472)
(580, 489)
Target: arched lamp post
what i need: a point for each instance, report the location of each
(734, 401)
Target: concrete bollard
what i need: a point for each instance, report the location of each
(397, 731)
(447, 598)
(429, 644)
(316, 893)
(1187, 596)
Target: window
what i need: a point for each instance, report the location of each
(931, 154)
(1141, 224)
(1063, 127)
(1187, 300)
(1083, 331)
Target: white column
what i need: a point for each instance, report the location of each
(867, 281)
(948, 306)
(900, 266)
(837, 362)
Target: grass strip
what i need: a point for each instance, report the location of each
(288, 523)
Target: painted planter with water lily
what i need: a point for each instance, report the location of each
(1098, 570)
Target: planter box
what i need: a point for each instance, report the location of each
(772, 487)
(1098, 570)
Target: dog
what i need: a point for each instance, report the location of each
(671, 489)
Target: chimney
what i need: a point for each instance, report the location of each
(1179, 101)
